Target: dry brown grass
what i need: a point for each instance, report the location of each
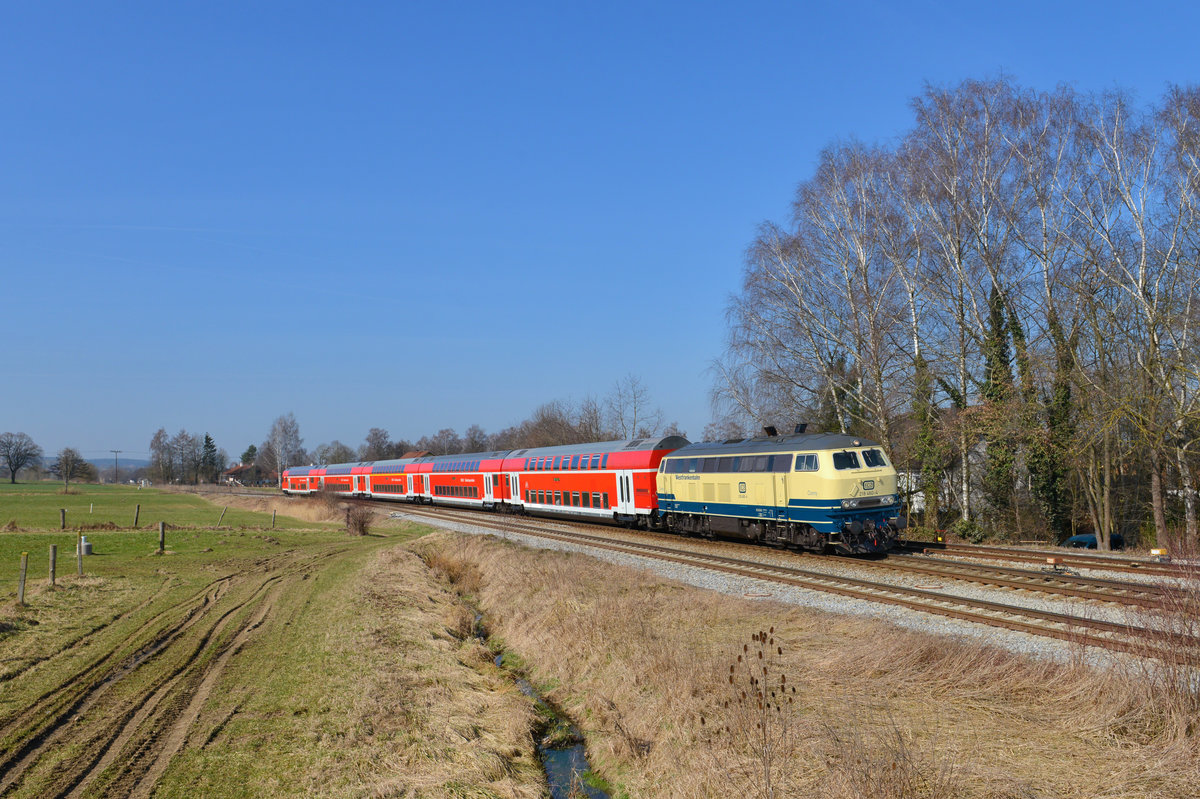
(1170, 684)
(638, 661)
(297, 507)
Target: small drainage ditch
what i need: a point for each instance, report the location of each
(560, 743)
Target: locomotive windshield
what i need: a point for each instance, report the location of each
(845, 460)
(874, 457)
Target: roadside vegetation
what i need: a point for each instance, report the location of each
(643, 666)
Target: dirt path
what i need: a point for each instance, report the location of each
(111, 727)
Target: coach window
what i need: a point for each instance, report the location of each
(586, 498)
(604, 461)
(605, 495)
(575, 498)
(845, 460)
(557, 497)
(574, 462)
(595, 461)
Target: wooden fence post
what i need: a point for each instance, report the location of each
(53, 563)
(21, 580)
(137, 511)
(62, 518)
(162, 537)
(222, 516)
(272, 518)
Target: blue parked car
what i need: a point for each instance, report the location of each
(1088, 541)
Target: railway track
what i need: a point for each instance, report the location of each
(1062, 626)
(1045, 581)
(1065, 557)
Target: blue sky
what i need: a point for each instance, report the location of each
(427, 215)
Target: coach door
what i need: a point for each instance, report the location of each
(625, 492)
(514, 489)
(488, 488)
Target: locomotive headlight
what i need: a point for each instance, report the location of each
(848, 504)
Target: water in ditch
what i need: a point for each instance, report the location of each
(560, 748)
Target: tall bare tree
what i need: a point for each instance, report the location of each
(285, 444)
(377, 446)
(18, 451)
(335, 452)
(630, 410)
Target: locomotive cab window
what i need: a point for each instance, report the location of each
(845, 460)
(807, 462)
(873, 457)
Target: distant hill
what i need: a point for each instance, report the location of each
(124, 463)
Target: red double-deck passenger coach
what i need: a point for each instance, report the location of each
(610, 480)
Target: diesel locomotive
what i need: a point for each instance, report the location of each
(820, 492)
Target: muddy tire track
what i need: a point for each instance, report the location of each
(177, 656)
(86, 635)
(28, 732)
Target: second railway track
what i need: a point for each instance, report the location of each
(1079, 629)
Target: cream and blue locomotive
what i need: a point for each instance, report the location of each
(820, 491)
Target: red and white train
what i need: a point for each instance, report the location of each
(614, 480)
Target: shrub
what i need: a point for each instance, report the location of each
(358, 519)
(968, 531)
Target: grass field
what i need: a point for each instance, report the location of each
(247, 661)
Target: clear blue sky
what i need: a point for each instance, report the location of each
(427, 215)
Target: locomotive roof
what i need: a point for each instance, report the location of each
(791, 443)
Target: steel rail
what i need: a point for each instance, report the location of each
(1075, 629)
(1121, 592)
(1068, 558)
